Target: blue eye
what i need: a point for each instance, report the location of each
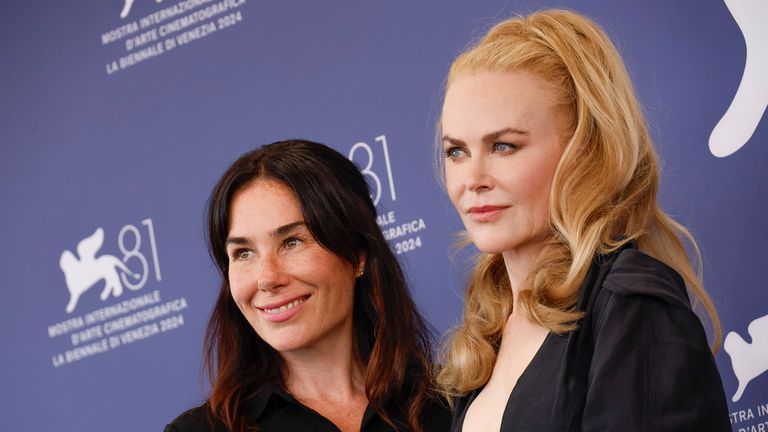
(503, 147)
(454, 152)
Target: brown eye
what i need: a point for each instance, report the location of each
(241, 254)
(292, 242)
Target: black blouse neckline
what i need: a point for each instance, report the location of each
(524, 377)
(639, 359)
(273, 409)
(257, 406)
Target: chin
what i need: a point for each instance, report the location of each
(527, 247)
(284, 340)
(490, 239)
(490, 245)
(284, 344)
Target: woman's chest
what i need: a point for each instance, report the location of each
(547, 395)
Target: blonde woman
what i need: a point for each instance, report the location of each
(577, 316)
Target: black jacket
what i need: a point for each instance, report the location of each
(639, 360)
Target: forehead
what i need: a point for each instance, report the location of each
(263, 205)
(492, 100)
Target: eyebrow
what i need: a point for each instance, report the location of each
(489, 137)
(277, 232)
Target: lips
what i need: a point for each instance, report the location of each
(283, 310)
(486, 213)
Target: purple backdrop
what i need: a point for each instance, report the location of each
(114, 130)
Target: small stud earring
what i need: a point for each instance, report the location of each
(360, 273)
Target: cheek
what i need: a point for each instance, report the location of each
(453, 184)
(538, 192)
(237, 286)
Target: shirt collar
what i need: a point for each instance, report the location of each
(259, 402)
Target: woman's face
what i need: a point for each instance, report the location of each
(502, 136)
(295, 294)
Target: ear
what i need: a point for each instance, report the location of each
(360, 270)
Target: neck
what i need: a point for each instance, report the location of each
(331, 371)
(519, 262)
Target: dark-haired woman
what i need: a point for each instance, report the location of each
(314, 328)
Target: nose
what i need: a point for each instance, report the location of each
(270, 274)
(478, 177)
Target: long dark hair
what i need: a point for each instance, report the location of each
(392, 338)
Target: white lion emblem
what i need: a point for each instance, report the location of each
(749, 360)
(751, 99)
(80, 275)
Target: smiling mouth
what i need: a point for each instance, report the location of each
(284, 307)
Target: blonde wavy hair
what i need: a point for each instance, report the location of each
(604, 191)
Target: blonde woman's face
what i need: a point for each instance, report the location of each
(502, 141)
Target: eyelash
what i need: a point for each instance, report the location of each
(512, 147)
(236, 254)
(292, 239)
(451, 150)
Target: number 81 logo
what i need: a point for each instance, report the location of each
(85, 270)
(368, 172)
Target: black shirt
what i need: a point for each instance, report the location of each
(274, 410)
(639, 360)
